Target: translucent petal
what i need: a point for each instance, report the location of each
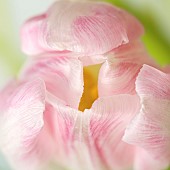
(66, 126)
(118, 74)
(21, 121)
(153, 83)
(63, 76)
(150, 128)
(89, 28)
(109, 118)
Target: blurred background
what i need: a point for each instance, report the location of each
(153, 14)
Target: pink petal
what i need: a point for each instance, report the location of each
(63, 76)
(34, 136)
(90, 28)
(153, 83)
(150, 129)
(144, 161)
(30, 38)
(118, 74)
(66, 126)
(109, 118)
(21, 121)
(133, 52)
(117, 78)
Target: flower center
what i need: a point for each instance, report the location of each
(90, 94)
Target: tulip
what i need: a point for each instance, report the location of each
(59, 114)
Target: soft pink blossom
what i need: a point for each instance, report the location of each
(40, 125)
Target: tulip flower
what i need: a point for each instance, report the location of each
(41, 132)
(59, 114)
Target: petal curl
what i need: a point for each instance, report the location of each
(46, 136)
(150, 128)
(151, 82)
(117, 78)
(21, 121)
(109, 118)
(118, 74)
(90, 28)
(63, 76)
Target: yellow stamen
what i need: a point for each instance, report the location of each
(90, 93)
